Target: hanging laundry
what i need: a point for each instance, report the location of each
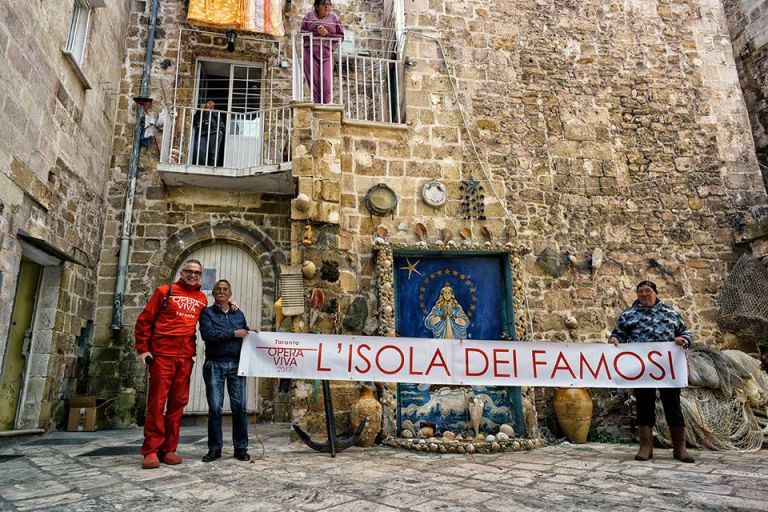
(263, 16)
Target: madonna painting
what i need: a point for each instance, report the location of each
(447, 319)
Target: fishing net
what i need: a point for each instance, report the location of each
(743, 304)
(725, 404)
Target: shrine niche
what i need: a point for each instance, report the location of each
(452, 293)
(455, 296)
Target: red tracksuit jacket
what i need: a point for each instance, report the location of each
(170, 330)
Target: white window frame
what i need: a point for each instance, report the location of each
(76, 46)
(227, 149)
(78, 30)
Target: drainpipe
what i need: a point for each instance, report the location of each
(125, 237)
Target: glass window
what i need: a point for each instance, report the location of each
(78, 30)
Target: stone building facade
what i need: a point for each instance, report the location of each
(58, 94)
(611, 140)
(748, 28)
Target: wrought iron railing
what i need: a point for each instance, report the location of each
(235, 140)
(366, 82)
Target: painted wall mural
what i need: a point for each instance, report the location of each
(459, 296)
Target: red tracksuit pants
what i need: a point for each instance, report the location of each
(167, 395)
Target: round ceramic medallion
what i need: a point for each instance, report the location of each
(381, 200)
(434, 193)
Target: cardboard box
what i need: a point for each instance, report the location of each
(86, 413)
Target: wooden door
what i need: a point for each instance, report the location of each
(14, 362)
(225, 261)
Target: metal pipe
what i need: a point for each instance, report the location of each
(125, 237)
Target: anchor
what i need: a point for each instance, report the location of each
(333, 444)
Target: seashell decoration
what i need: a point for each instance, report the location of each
(426, 432)
(317, 299)
(490, 438)
(302, 202)
(507, 430)
(465, 233)
(501, 436)
(421, 231)
(448, 435)
(446, 235)
(407, 434)
(597, 259)
(571, 322)
(452, 244)
(382, 231)
(511, 232)
(308, 269)
(486, 233)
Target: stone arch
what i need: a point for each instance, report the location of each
(247, 237)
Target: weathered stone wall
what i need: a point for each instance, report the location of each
(55, 144)
(617, 127)
(748, 28)
(584, 123)
(170, 222)
(610, 138)
(614, 134)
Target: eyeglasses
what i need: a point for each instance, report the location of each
(195, 273)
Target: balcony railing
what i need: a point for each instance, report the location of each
(366, 82)
(232, 140)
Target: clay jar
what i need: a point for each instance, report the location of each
(368, 408)
(573, 409)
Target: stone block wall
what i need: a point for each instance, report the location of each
(610, 138)
(617, 127)
(55, 144)
(596, 136)
(748, 29)
(170, 222)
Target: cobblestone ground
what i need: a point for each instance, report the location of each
(101, 471)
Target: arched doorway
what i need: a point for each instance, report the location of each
(226, 261)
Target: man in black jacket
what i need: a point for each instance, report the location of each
(223, 330)
(208, 134)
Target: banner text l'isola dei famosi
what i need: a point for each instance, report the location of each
(467, 362)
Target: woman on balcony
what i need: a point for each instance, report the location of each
(318, 49)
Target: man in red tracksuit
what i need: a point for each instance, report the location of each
(166, 342)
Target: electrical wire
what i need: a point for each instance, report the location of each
(486, 173)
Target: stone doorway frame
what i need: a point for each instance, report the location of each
(250, 238)
(36, 371)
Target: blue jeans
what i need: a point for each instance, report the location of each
(214, 374)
